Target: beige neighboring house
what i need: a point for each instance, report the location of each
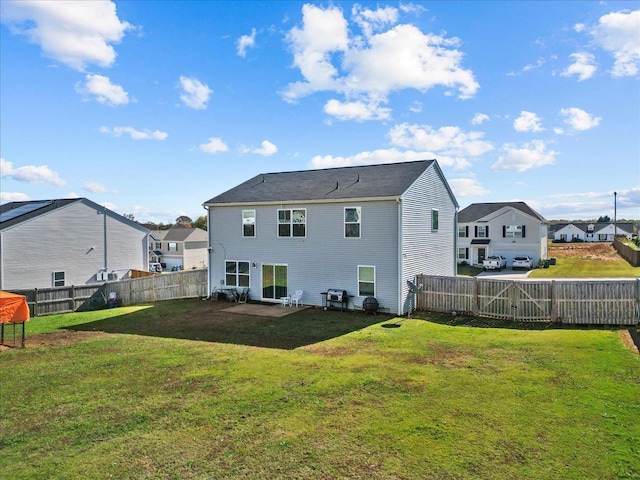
(178, 248)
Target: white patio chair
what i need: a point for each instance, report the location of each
(295, 298)
(286, 301)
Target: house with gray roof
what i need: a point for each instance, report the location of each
(590, 231)
(55, 243)
(179, 248)
(507, 229)
(365, 230)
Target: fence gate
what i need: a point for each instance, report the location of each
(518, 301)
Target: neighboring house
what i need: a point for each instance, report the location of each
(365, 229)
(508, 229)
(179, 248)
(590, 231)
(53, 243)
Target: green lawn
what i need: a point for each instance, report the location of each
(314, 395)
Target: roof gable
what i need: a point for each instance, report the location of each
(23, 211)
(368, 181)
(477, 211)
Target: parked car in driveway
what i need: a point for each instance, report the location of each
(522, 262)
(494, 262)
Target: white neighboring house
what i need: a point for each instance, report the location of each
(591, 231)
(55, 243)
(363, 229)
(507, 229)
(179, 248)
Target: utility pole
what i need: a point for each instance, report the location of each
(615, 215)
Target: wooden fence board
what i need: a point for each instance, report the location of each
(598, 302)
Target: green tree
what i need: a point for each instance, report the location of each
(201, 222)
(183, 222)
(604, 219)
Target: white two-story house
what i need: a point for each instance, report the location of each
(363, 229)
(508, 229)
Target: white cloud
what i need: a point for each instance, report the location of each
(416, 107)
(30, 173)
(245, 42)
(583, 66)
(533, 66)
(373, 20)
(266, 149)
(356, 110)
(448, 142)
(6, 197)
(588, 205)
(527, 122)
(579, 120)
(369, 158)
(134, 133)
(467, 187)
(530, 155)
(215, 145)
(195, 94)
(479, 118)
(366, 69)
(104, 91)
(94, 187)
(619, 34)
(76, 33)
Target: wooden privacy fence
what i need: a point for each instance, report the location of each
(168, 286)
(596, 302)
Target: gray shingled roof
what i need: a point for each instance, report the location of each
(180, 234)
(475, 211)
(368, 181)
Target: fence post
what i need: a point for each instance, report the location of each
(554, 302)
(73, 298)
(35, 302)
(638, 298)
(474, 300)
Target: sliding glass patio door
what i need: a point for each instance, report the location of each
(274, 281)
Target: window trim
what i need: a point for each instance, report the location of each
(237, 273)
(511, 231)
(359, 222)
(485, 231)
(291, 222)
(253, 223)
(367, 281)
(465, 231)
(169, 249)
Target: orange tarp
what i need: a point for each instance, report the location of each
(13, 308)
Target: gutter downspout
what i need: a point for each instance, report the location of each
(209, 251)
(455, 243)
(106, 255)
(400, 258)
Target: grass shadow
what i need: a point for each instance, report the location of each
(207, 321)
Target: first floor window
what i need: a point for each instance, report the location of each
(237, 274)
(58, 279)
(248, 223)
(292, 222)
(366, 281)
(352, 222)
(434, 220)
(462, 253)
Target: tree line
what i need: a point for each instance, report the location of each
(183, 221)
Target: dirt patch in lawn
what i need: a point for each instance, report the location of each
(628, 340)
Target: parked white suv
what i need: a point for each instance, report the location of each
(522, 262)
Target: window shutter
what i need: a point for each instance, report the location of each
(504, 231)
(523, 231)
(466, 231)
(486, 232)
(475, 231)
(466, 253)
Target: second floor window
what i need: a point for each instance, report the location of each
(172, 246)
(248, 223)
(352, 222)
(158, 245)
(482, 231)
(463, 232)
(292, 222)
(434, 220)
(513, 231)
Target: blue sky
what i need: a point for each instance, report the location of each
(151, 108)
